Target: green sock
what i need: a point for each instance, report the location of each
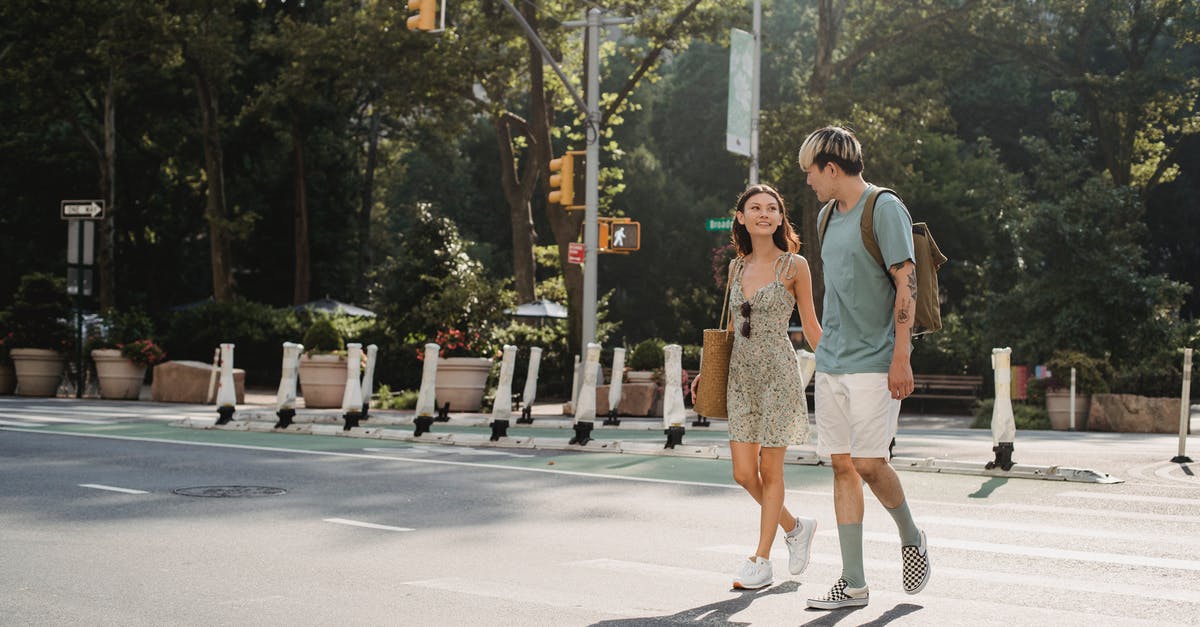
(909, 535)
(850, 537)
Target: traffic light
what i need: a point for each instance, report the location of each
(624, 237)
(426, 18)
(564, 186)
(619, 235)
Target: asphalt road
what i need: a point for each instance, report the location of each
(390, 533)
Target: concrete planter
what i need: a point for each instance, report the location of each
(8, 378)
(1058, 405)
(38, 371)
(639, 376)
(322, 381)
(1129, 413)
(461, 382)
(120, 378)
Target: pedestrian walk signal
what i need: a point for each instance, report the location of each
(620, 236)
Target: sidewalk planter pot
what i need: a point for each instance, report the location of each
(461, 382)
(1058, 405)
(38, 371)
(639, 376)
(322, 381)
(120, 378)
(8, 378)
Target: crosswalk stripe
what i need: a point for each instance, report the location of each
(9, 423)
(1131, 498)
(1037, 551)
(653, 570)
(522, 592)
(58, 419)
(1076, 512)
(988, 575)
(1046, 529)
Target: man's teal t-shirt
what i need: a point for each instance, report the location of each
(860, 300)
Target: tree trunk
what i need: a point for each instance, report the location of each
(106, 248)
(303, 275)
(368, 201)
(214, 211)
(520, 213)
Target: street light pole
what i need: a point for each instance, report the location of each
(756, 82)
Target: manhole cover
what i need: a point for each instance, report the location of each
(230, 491)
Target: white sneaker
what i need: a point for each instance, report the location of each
(754, 574)
(799, 544)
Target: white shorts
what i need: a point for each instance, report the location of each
(856, 414)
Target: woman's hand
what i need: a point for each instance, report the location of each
(695, 382)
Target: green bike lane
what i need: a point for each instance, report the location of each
(589, 463)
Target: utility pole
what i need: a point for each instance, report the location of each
(591, 111)
(756, 82)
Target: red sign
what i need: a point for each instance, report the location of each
(576, 252)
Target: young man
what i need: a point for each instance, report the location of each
(863, 368)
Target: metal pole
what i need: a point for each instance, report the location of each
(79, 378)
(591, 231)
(1071, 406)
(755, 81)
(1185, 408)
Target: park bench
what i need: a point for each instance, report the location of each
(953, 387)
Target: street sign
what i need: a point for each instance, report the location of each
(741, 68)
(82, 210)
(81, 242)
(576, 252)
(718, 224)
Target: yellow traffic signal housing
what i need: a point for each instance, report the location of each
(426, 18)
(604, 235)
(563, 179)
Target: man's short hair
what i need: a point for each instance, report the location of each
(832, 144)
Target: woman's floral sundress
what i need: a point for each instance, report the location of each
(766, 400)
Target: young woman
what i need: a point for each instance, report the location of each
(767, 408)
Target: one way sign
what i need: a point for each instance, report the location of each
(82, 210)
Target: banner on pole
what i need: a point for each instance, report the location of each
(741, 68)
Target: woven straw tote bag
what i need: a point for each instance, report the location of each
(711, 392)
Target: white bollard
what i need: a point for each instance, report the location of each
(614, 388)
(576, 380)
(1004, 427)
(226, 391)
(426, 398)
(674, 414)
(502, 405)
(1071, 402)
(1185, 409)
(368, 379)
(535, 363)
(352, 396)
(285, 398)
(585, 408)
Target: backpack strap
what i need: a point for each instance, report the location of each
(825, 214)
(867, 226)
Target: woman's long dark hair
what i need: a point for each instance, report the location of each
(785, 238)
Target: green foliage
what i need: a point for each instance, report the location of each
(647, 355)
(691, 356)
(40, 314)
(1025, 415)
(402, 399)
(1091, 373)
(258, 332)
(555, 370)
(321, 337)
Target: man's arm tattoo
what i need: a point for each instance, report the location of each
(912, 284)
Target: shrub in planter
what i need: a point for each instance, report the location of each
(323, 366)
(41, 334)
(258, 331)
(647, 355)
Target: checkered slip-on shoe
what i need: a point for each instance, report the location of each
(916, 566)
(841, 595)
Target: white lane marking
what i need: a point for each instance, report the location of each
(988, 574)
(5, 423)
(82, 421)
(1047, 529)
(1131, 498)
(355, 523)
(97, 486)
(1037, 551)
(453, 451)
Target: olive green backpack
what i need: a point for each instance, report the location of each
(928, 260)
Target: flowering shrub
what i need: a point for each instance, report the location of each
(455, 343)
(143, 352)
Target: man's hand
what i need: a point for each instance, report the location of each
(900, 378)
